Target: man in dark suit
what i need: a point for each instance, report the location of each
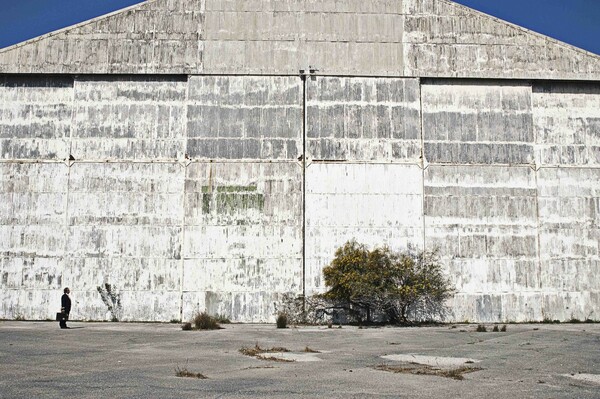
(65, 308)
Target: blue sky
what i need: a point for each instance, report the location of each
(572, 21)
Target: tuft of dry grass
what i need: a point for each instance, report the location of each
(309, 350)
(184, 372)
(259, 352)
(456, 374)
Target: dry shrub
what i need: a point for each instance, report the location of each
(184, 372)
(282, 320)
(204, 321)
(186, 326)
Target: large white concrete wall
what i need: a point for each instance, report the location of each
(190, 193)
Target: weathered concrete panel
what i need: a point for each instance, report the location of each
(497, 307)
(32, 236)
(35, 117)
(374, 204)
(430, 38)
(125, 230)
(163, 36)
(233, 117)
(32, 218)
(363, 119)
(445, 39)
(566, 118)
(477, 123)
(281, 37)
(243, 237)
(569, 217)
(483, 219)
(18, 303)
(129, 118)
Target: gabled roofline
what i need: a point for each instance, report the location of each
(447, 2)
(522, 28)
(75, 26)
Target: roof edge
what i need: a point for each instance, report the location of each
(524, 29)
(75, 26)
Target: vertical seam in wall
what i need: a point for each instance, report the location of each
(68, 164)
(536, 170)
(422, 160)
(304, 121)
(183, 196)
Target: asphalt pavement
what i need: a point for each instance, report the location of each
(140, 360)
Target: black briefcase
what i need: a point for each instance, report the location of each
(59, 316)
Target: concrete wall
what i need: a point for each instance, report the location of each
(163, 36)
(409, 38)
(187, 193)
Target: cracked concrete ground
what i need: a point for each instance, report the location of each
(99, 360)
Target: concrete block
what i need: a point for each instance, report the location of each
(485, 124)
(145, 119)
(566, 119)
(35, 117)
(363, 119)
(259, 109)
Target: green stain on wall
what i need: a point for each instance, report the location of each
(231, 199)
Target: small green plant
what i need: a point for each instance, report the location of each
(186, 326)
(481, 328)
(204, 321)
(574, 320)
(174, 321)
(282, 320)
(184, 372)
(503, 329)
